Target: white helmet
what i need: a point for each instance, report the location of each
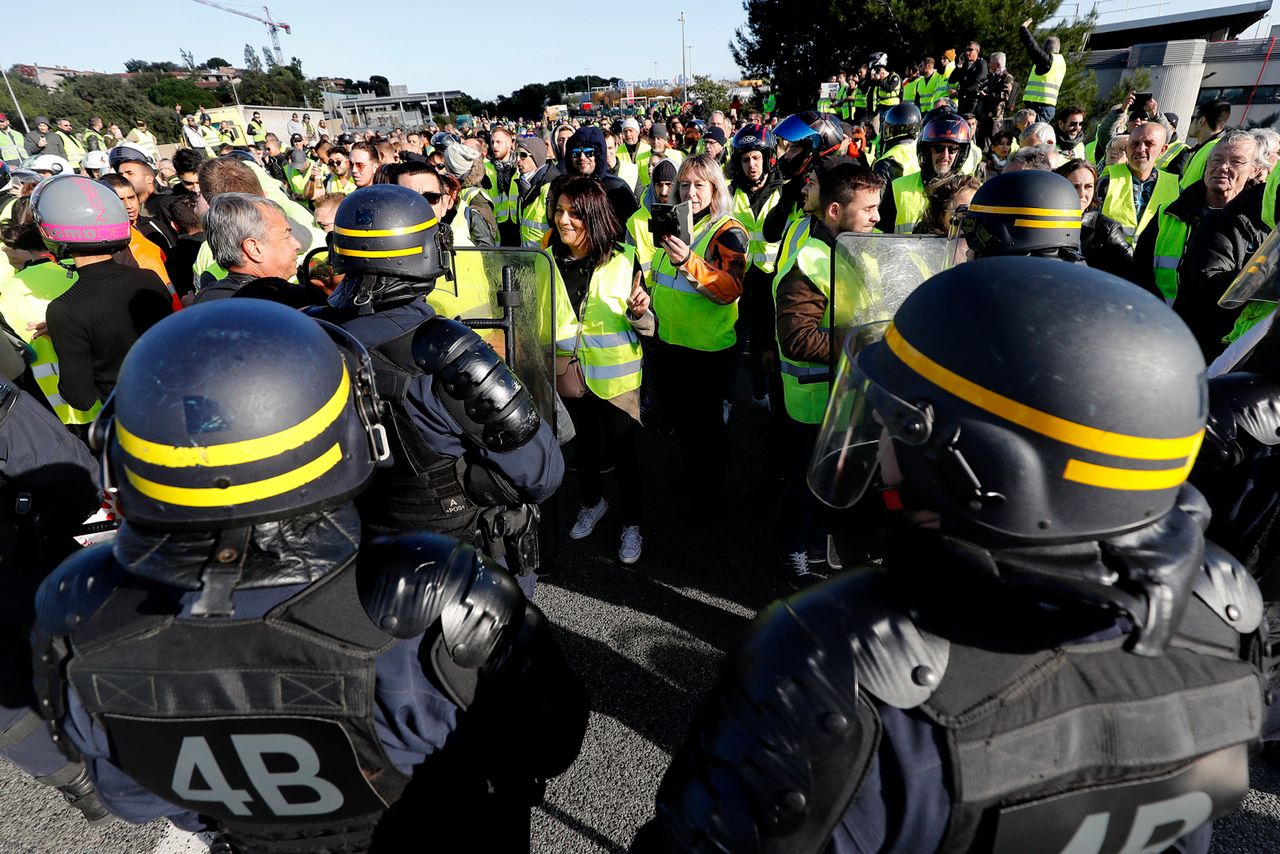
(50, 163)
(95, 160)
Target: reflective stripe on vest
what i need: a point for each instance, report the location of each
(796, 233)
(639, 237)
(25, 299)
(1250, 316)
(533, 218)
(1171, 242)
(609, 350)
(1269, 198)
(74, 150)
(685, 316)
(12, 145)
(760, 253)
(807, 401)
(1199, 160)
(1118, 203)
(1043, 88)
(910, 202)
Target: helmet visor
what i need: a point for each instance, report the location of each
(1258, 280)
(847, 454)
(793, 129)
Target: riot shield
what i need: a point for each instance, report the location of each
(1259, 279)
(505, 295)
(871, 275)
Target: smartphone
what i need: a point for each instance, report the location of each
(675, 220)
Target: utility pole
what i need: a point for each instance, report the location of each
(684, 85)
(14, 98)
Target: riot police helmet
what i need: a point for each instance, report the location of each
(389, 246)
(948, 127)
(878, 59)
(79, 216)
(809, 136)
(1076, 419)
(1029, 212)
(901, 122)
(125, 153)
(238, 412)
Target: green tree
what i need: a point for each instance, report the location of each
(251, 60)
(113, 99)
(215, 62)
(134, 66)
(168, 91)
(268, 58)
(799, 46)
(188, 59)
(527, 101)
(714, 94)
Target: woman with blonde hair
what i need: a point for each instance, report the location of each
(695, 288)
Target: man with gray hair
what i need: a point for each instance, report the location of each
(1038, 133)
(1268, 148)
(250, 238)
(1030, 157)
(1048, 70)
(995, 98)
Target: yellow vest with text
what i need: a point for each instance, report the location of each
(760, 253)
(609, 350)
(25, 299)
(1043, 88)
(1118, 203)
(910, 202)
(685, 317)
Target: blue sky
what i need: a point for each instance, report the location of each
(426, 45)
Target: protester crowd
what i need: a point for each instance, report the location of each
(679, 250)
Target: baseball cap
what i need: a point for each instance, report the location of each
(297, 137)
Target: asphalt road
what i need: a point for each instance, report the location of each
(647, 641)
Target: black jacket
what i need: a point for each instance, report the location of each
(1103, 245)
(1215, 254)
(621, 197)
(1041, 59)
(1188, 207)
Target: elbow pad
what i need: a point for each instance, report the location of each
(488, 401)
(1240, 404)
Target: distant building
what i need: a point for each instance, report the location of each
(53, 76)
(363, 111)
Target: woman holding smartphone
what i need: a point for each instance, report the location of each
(695, 288)
(601, 312)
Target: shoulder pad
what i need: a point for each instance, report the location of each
(1254, 403)
(76, 590)
(410, 582)
(898, 662)
(781, 742)
(1229, 590)
(476, 386)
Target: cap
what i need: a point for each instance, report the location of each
(3, 117)
(658, 131)
(631, 123)
(297, 158)
(715, 133)
(297, 137)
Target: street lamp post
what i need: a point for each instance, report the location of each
(684, 81)
(14, 98)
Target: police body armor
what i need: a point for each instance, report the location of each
(273, 734)
(1054, 747)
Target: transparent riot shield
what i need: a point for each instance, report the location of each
(872, 274)
(1259, 279)
(505, 295)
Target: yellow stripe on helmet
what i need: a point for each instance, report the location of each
(1107, 477)
(384, 232)
(1060, 429)
(1000, 209)
(245, 451)
(244, 493)
(1046, 223)
(378, 253)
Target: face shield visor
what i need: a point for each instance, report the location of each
(957, 242)
(847, 454)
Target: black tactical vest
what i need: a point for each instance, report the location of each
(264, 724)
(421, 490)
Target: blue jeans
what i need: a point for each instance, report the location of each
(1044, 112)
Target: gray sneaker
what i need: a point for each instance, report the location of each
(632, 542)
(587, 519)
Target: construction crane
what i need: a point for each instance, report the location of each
(273, 26)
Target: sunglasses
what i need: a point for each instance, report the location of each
(432, 198)
(523, 154)
(583, 152)
(336, 162)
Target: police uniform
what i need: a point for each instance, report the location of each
(471, 456)
(995, 687)
(275, 675)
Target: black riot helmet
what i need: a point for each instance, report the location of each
(238, 412)
(1077, 416)
(946, 127)
(1029, 212)
(901, 121)
(809, 136)
(389, 245)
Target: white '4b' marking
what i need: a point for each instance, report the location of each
(195, 755)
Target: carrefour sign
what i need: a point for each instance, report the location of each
(652, 83)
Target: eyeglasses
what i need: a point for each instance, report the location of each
(1075, 124)
(523, 154)
(583, 152)
(432, 198)
(338, 162)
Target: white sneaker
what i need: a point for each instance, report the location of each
(587, 519)
(796, 568)
(629, 551)
(728, 407)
